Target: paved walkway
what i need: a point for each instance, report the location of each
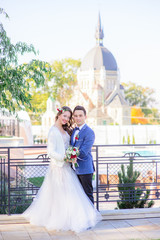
(131, 224)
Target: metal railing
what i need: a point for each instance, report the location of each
(22, 170)
(109, 160)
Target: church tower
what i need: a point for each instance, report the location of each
(98, 89)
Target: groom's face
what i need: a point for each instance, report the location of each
(79, 117)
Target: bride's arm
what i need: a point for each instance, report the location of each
(53, 142)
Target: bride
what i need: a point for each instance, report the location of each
(61, 203)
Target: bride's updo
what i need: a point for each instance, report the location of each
(68, 126)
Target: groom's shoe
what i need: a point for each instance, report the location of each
(89, 228)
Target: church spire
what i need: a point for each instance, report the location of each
(99, 33)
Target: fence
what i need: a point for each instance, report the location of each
(22, 170)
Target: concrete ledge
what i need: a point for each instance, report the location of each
(122, 214)
(11, 141)
(131, 213)
(12, 219)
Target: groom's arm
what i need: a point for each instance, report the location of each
(86, 146)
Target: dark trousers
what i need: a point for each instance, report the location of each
(86, 182)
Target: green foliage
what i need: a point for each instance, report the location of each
(133, 139)
(2, 11)
(142, 97)
(3, 202)
(29, 85)
(155, 116)
(138, 95)
(114, 124)
(64, 79)
(128, 139)
(131, 197)
(36, 181)
(58, 84)
(6, 137)
(18, 199)
(14, 85)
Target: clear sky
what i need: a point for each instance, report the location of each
(66, 28)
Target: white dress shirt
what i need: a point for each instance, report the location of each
(77, 131)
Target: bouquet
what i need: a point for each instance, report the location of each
(71, 155)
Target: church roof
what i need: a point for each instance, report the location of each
(99, 56)
(110, 98)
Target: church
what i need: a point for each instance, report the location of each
(98, 87)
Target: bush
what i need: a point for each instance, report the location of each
(131, 197)
(18, 199)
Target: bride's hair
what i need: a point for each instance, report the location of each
(68, 126)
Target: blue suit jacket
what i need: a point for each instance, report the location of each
(84, 143)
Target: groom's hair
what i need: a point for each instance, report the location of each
(80, 108)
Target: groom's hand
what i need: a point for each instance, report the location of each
(72, 160)
(75, 160)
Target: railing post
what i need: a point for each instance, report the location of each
(156, 173)
(4, 185)
(16, 176)
(1, 182)
(9, 181)
(18, 130)
(97, 178)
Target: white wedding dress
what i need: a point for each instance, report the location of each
(61, 203)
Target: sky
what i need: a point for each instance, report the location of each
(66, 28)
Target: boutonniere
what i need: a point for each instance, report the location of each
(77, 137)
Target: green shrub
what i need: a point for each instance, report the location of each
(131, 197)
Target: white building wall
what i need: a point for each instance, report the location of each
(114, 134)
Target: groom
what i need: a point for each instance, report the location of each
(83, 137)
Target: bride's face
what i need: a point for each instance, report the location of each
(64, 117)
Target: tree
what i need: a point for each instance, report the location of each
(39, 102)
(14, 87)
(139, 96)
(143, 98)
(64, 79)
(131, 197)
(154, 117)
(137, 116)
(39, 96)
(58, 84)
